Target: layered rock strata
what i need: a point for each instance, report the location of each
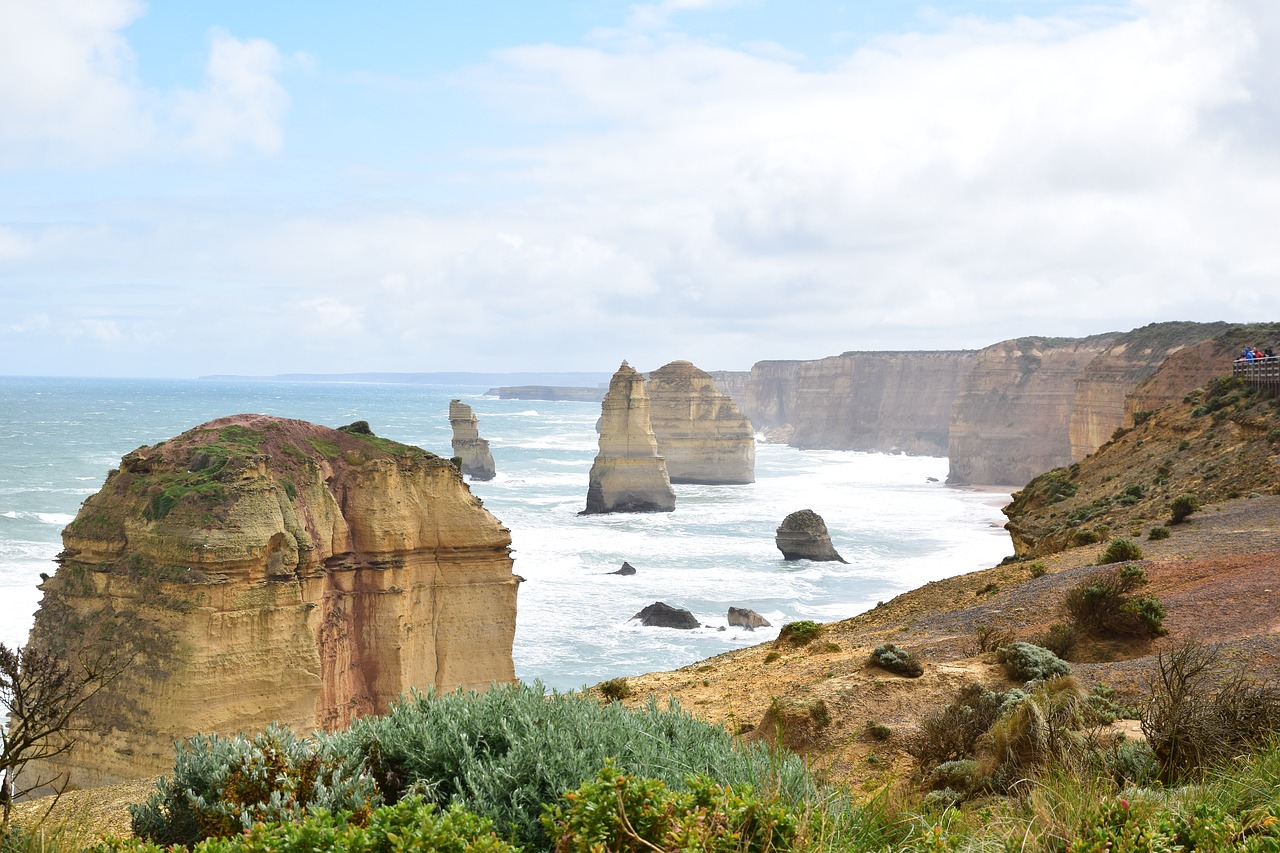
(628, 474)
(701, 433)
(477, 460)
(803, 535)
(872, 401)
(267, 569)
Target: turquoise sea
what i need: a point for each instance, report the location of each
(897, 527)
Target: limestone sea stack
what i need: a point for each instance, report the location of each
(269, 569)
(628, 475)
(803, 536)
(701, 432)
(477, 461)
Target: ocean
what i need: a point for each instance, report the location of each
(890, 516)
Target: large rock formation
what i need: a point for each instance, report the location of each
(700, 431)
(270, 569)
(628, 475)
(874, 401)
(803, 536)
(477, 461)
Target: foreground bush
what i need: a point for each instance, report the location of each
(896, 660)
(618, 811)
(1199, 714)
(1029, 662)
(506, 752)
(1182, 507)
(1104, 605)
(222, 786)
(410, 824)
(1120, 550)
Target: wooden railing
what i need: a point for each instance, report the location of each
(1263, 372)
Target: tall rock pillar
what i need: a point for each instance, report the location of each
(701, 432)
(477, 461)
(628, 475)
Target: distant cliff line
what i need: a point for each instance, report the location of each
(1002, 414)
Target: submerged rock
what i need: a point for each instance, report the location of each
(628, 475)
(662, 615)
(803, 536)
(270, 569)
(477, 461)
(627, 569)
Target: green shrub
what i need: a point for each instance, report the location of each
(953, 732)
(1037, 570)
(878, 731)
(410, 824)
(1158, 532)
(1181, 508)
(1031, 732)
(896, 660)
(798, 633)
(961, 774)
(1103, 605)
(505, 752)
(1121, 550)
(1060, 639)
(988, 638)
(221, 786)
(619, 811)
(615, 689)
(1084, 537)
(1029, 662)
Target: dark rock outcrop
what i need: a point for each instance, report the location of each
(477, 461)
(662, 615)
(803, 536)
(740, 617)
(628, 475)
(627, 569)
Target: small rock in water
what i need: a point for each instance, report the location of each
(740, 617)
(662, 615)
(803, 536)
(627, 569)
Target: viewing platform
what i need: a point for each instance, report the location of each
(1262, 372)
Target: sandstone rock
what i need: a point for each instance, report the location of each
(270, 569)
(628, 475)
(803, 536)
(701, 433)
(662, 615)
(477, 461)
(742, 618)
(627, 569)
(873, 401)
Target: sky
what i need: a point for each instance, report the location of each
(191, 187)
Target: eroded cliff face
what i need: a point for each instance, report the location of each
(700, 432)
(1104, 387)
(628, 474)
(1011, 419)
(477, 459)
(270, 569)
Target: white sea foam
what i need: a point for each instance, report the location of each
(573, 624)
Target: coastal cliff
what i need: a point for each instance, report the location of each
(870, 401)
(628, 475)
(700, 432)
(1011, 419)
(477, 459)
(269, 569)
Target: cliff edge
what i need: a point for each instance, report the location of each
(268, 569)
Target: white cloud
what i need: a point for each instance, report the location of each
(70, 93)
(241, 103)
(647, 16)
